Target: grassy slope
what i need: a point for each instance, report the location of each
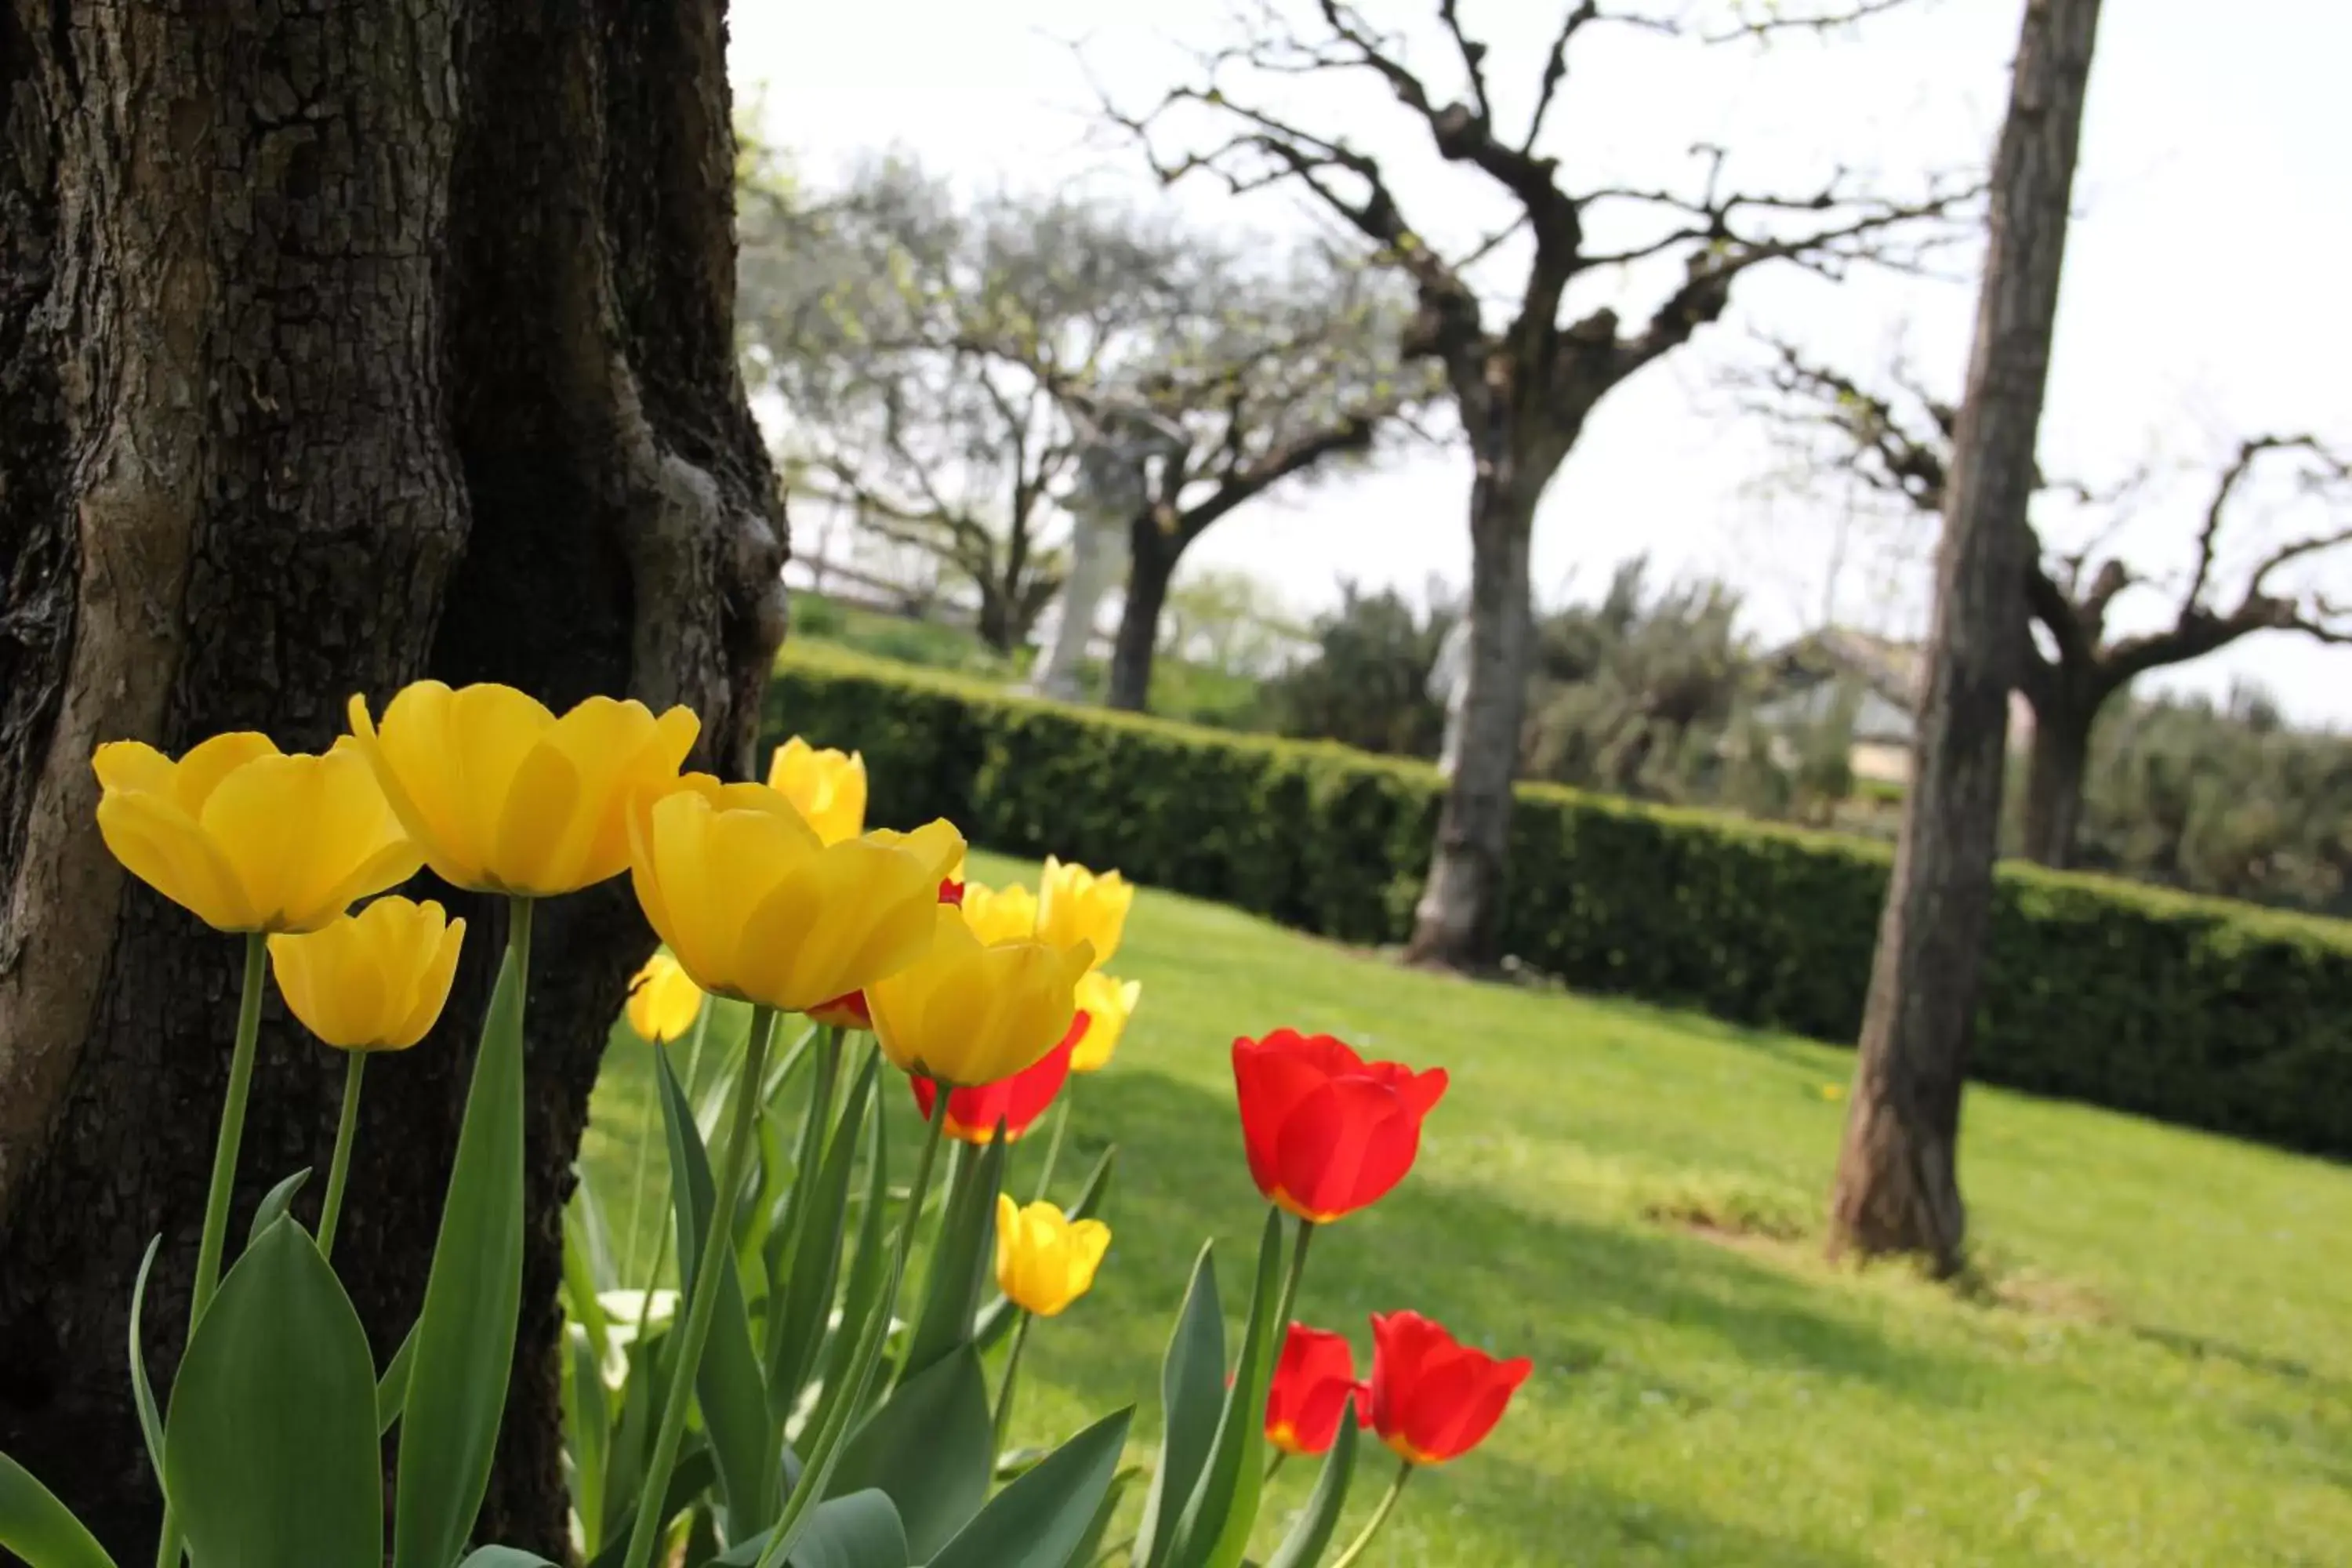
(2158, 1372)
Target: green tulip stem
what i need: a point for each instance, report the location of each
(637, 1195)
(1273, 1466)
(663, 1222)
(820, 1105)
(1290, 1284)
(340, 1171)
(1356, 1548)
(232, 1129)
(817, 1469)
(637, 1168)
(1012, 1378)
(694, 1047)
(224, 1147)
(701, 1304)
(1053, 1145)
(519, 909)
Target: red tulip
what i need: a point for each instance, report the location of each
(1313, 1383)
(850, 1012)
(1017, 1101)
(1434, 1399)
(1328, 1132)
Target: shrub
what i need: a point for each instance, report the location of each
(2205, 1014)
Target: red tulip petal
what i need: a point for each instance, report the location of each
(1344, 1146)
(1017, 1101)
(1268, 1083)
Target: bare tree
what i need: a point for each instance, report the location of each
(1272, 379)
(917, 342)
(339, 344)
(1898, 1179)
(1523, 376)
(1899, 441)
(952, 368)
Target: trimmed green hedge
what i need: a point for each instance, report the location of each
(2206, 1013)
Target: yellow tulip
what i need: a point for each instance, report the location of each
(970, 1013)
(828, 787)
(663, 1000)
(1107, 1005)
(374, 981)
(248, 838)
(1075, 905)
(505, 797)
(1045, 1259)
(1000, 914)
(754, 906)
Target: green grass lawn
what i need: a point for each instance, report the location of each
(2154, 1368)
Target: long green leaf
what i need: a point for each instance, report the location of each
(963, 1261)
(276, 1203)
(587, 1433)
(1216, 1530)
(996, 1319)
(868, 1274)
(1192, 1390)
(392, 1389)
(143, 1392)
(1040, 1521)
(642, 1390)
(688, 1479)
(504, 1557)
(464, 1335)
(801, 1297)
(582, 1301)
(271, 1453)
(39, 1529)
(860, 1531)
(930, 1445)
(1308, 1537)
(728, 1386)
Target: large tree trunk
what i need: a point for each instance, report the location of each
(1150, 568)
(1455, 922)
(2054, 770)
(344, 343)
(1897, 1181)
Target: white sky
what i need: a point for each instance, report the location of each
(2205, 294)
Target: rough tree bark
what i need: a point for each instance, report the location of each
(344, 342)
(1151, 560)
(1159, 531)
(2054, 769)
(1523, 386)
(1897, 1182)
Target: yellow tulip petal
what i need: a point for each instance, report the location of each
(649, 767)
(195, 775)
(387, 867)
(839, 918)
(430, 991)
(491, 729)
(159, 845)
(542, 802)
(685, 915)
(263, 818)
(358, 846)
(132, 765)
(415, 763)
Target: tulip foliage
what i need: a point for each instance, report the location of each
(769, 1388)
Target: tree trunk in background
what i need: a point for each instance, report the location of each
(342, 344)
(2054, 772)
(1151, 567)
(1897, 1182)
(1458, 916)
